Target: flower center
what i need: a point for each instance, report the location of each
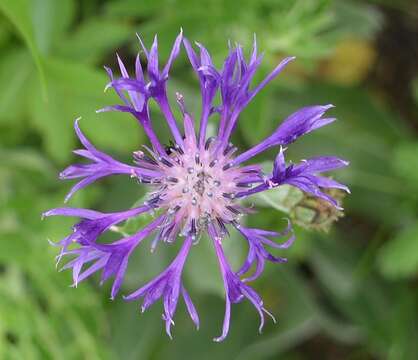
(199, 187)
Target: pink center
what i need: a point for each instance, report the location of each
(199, 186)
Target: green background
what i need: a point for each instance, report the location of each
(349, 293)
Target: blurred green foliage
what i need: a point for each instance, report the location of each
(349, 293)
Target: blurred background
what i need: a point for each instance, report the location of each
(349, 290)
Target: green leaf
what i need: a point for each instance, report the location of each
(202, 269)
(297, 319)
(5, 32)
(48, 26)
(299, 24)
(133, 8)
(42, 318)
(332, 269)
(25, 159)
(11, 100)
(405, 162)
(76, 91)
(202, 264)
(140, 333)
(58, 327)
(366, 301)
(94, 38)
(302, 27)
(398, 258)
(357, 19)
(18, 12)
(134, 224)
(254, 122)
(282, 198)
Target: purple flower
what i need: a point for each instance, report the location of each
(195, 184)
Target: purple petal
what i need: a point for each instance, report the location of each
(138, 69)
(194, 60)
(144, 49)
(129, 85)
(82, 213)
(210, 71)
(288, 243)
(82, 184)
(321, 164)
(205, 58)
(271, 76)
(258, 270)
(190, 307)
(122, 67)
(179, 260)
(83, 139)
(325, 182)
(112, 265)
(119, 278)
(121, 108)
(235, 289)
(310, 188)
(299, 123)
(174, 53)
(99, 264)
(153, 70)
(279, 167)
(84, 153)
(226, 322)
(94, 152)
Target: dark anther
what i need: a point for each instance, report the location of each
(193, 230)
(178, 148)
(229, 147)
(172, 179)
(153, 201)
(146, 158)
(166, 162)
(208, 142)
(229, 195)
(233, 210)
(222, 226)
(251, 171)
(244, 185)
(174, 210)
(227, 166)
(213, 163)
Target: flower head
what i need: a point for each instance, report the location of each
(196, 184)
